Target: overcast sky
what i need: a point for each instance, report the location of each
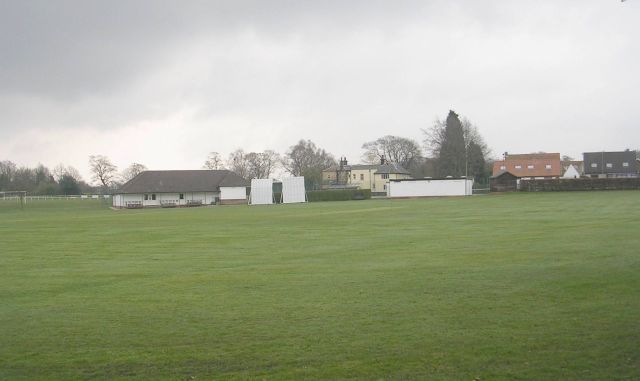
(165, 82)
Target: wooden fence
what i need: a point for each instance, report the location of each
(582, 184)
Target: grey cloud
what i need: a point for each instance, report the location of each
(337, 72)
(68, 49)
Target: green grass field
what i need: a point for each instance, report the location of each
(499, 287)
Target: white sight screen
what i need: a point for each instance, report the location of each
(293, 190)
(261, 191)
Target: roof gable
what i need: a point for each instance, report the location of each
(392, 168)
(504, 174)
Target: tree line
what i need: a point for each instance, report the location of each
(63, 179)
(451, 147)
(40, 180)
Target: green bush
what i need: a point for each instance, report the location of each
(339, 195)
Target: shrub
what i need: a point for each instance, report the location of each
(339, 195)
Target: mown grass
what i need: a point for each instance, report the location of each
(508, 287)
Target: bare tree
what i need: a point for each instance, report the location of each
(61, 170)
(214, 161)
(132, 171)
(7, 173)
(472, 135)
(434, 137)
(102, 169)
(237, 163)
(24, 178)
(260, 165)
(393, 148)
(253, 165)
(305, 159)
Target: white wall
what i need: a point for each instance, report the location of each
(168, 197)
(426, 188)
(206, 197)
(233, 193)
(120, 200)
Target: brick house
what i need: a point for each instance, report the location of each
(530, 166)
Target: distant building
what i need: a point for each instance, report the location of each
(337, 177)
(530, 166)
(503, 181)
(577, 164)
(181, 188)
(364, 176)
(571, 173)
(611, 164)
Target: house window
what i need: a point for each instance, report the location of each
(181, 196)
(385, 176)
(153, 196)
(146, 196)
(609, 165)
(625, 164)
(362, 176)
(594, 165)
(385, 186)
(530, 166)
(518, 167)
(354, 176)
(503, 167)
(547, 166)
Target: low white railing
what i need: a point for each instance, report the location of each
(63, 197)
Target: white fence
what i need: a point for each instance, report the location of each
(65, 197)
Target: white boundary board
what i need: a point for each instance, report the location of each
(261, 192)
(293, 190)
(430, 188)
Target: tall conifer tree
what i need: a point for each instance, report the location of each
(451, 161)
